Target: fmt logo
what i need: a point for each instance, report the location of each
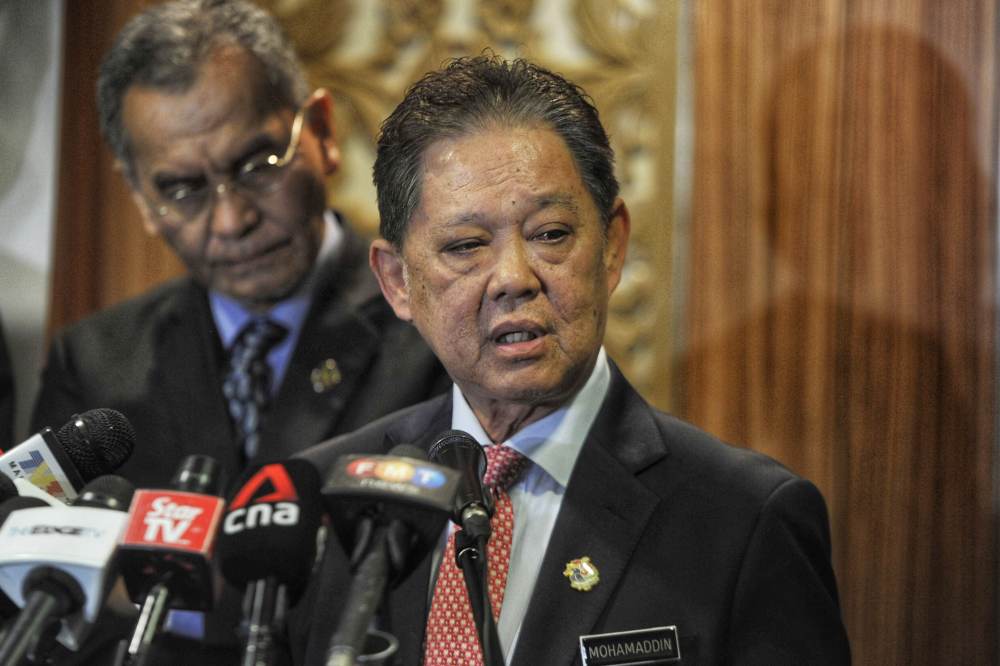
(395, 470)
(248, 512)
(168, 521)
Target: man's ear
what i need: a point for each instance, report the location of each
(616, 243)
(387, 265)
(319, 118)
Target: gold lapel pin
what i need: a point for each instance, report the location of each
(582, 574)
(325, 376)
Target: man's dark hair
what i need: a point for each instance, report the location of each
(164, 46)
(477, 93)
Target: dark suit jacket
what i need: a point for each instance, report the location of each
(158, 360)
(722, 542)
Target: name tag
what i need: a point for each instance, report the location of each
(656, 645)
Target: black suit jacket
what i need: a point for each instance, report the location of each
(158, 359)
(722, 542)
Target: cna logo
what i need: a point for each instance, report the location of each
(267, 498)
(394, 470)
(174, 519)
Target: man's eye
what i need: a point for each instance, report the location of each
(463, 247)
(182, 191)
(551, 235)
(257, 173)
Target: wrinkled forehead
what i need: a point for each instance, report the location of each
(228, 96)
(511, 167)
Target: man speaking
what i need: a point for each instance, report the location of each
(619, 532)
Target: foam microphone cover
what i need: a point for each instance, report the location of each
(98, 441)
(106, 492)
(269, 529)
(199, 474)
(459, 451)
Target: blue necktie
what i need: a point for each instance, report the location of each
(247, 386)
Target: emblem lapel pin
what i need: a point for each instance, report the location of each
(325, 376)
(582, 574)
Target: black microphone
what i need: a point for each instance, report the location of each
(473, 506)
(473, 510)
(59, 463)
(388, 511)
(57, 563)
(267, 546)
(166, 552)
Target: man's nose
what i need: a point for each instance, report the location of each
(513, 274)
(232, 212)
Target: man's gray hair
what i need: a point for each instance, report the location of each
(163, 47)
(478, 93)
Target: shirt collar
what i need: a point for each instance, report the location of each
(554, 442)
(230, 316)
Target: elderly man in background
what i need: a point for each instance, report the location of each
(503, 238)
(226, 150)
(278, 337)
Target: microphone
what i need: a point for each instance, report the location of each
(56, 563)
(389, 511)
(473, 506)
(59, 463)
(473, 510)
(166, 550)
(267, 545)
(11, 502)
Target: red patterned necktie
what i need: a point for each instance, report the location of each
(451, 632)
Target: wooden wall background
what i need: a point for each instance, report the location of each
(836, 307)
(842, 291)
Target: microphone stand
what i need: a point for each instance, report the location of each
(363, 598)
(154, 611)
(471, 559)
(261, 600)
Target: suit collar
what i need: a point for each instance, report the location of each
(336, 329)
(553, 442)
(336, 335)
(604, 513)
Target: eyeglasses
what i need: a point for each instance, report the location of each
(259, 175)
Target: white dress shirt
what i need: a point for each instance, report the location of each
(552, 444)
